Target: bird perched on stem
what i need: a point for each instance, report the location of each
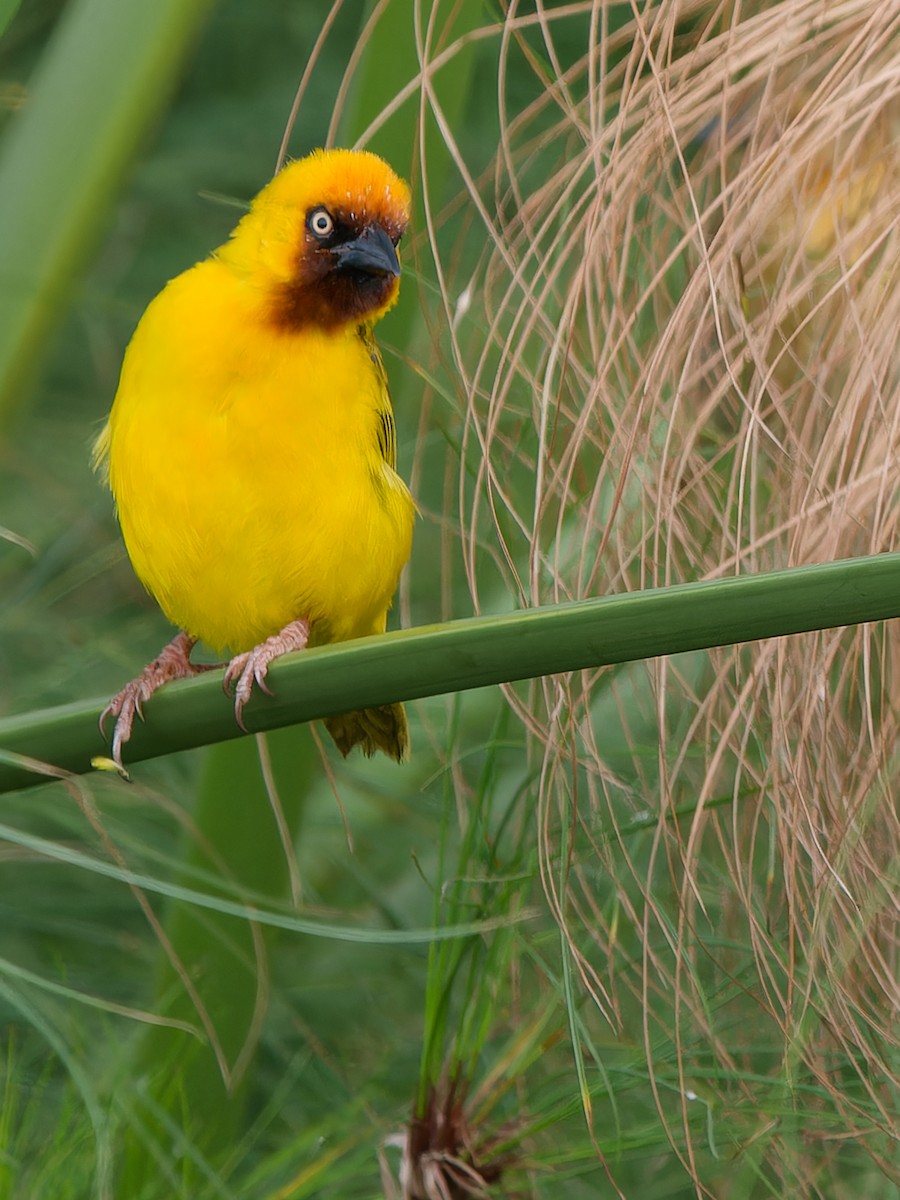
(251, 448)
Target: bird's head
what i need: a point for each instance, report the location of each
(320, 240)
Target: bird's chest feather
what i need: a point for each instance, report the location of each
(251, 489)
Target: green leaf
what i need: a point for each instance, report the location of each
(99, 84)
(8, 9)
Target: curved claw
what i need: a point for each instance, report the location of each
(252, 666)
(173, 662)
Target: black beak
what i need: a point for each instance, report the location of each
(372, 252)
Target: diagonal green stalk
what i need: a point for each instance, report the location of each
(8, 9)
(459, 655)
(100, 83)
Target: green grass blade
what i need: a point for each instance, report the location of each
(254, 912)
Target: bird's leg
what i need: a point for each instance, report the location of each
(173, 662)
(253, 665)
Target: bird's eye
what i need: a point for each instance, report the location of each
(320, 223)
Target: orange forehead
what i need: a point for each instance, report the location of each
(357, 184)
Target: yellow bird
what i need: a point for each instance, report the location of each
(251, 447)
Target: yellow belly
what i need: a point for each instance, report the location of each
(245, 465)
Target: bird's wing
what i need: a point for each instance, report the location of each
(386, 432)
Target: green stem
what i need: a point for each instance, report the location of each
(477, 652)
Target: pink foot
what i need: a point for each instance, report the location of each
(253, 665)
(173, 662)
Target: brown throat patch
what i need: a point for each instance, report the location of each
(329, 298)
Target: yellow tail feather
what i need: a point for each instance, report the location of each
(383, 728)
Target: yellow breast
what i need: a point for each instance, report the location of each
(246, 468)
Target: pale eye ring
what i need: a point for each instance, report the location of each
(320, 223)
